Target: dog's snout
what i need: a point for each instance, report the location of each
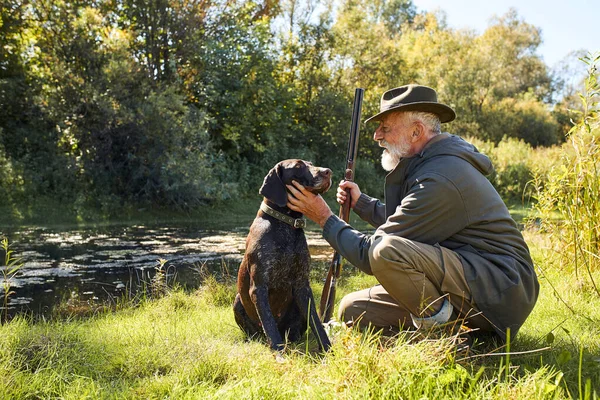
(325, 172)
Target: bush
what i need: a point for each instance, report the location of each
(521, 118)
(516, 164)
(512, 173)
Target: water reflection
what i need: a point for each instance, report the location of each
(99, 265)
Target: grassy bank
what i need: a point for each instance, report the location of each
(187, 345)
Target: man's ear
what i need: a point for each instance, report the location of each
(273, 187)
(418, 131)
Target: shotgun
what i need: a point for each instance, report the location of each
(335, 268)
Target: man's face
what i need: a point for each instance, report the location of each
(393, 133)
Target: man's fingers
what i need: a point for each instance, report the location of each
(295, 192)
(345, 184)
(292, 201)
(299, 187)
(298, 190)
(295, 198)
(341, 196)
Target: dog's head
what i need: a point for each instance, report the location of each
(315, 179)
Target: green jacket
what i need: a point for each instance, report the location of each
(441, 196)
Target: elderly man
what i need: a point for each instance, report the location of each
(445, 246)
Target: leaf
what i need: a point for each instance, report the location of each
(14, 270)
(550, 338)
(588, 389)
(559, 377)
(564, 357)
(549, 388)
(478, 374)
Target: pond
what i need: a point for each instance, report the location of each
(99, 265)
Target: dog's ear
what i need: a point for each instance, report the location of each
(273, 187)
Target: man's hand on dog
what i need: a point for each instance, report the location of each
(313, 206)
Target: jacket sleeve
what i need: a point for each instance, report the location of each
(350, 243)
(370, 210)
(432, 211)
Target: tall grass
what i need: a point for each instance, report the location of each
(568, 203)
(187, 346)
(9, 269)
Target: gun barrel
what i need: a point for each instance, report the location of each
(335, 268)
(355, 125)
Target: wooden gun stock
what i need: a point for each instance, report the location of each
(335, 268)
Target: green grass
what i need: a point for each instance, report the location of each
(187, 346)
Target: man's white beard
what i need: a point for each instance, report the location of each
(388, 160)
(392, 154)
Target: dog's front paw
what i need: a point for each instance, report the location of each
(334, 328)
(279, 358)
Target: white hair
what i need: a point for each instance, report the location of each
(430, 120)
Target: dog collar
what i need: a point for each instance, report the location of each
(298, 223)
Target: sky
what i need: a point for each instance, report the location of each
(566, 25)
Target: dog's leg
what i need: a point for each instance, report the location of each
(292, 324)
(306, 304)
(260, 298)
(247, 325)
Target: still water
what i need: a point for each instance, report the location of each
(96, 265)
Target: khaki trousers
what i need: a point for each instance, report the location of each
(414, 279)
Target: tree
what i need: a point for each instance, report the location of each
(481, 76)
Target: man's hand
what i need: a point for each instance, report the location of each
(355, 193)
(311, 205)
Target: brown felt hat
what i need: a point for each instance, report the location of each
(413, 98)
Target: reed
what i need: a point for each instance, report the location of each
(9, 269)
(568, 202)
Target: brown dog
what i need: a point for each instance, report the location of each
(274, 296)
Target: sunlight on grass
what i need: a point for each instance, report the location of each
(187, 346)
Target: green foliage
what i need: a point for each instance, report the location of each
(216, 293)
(512, 176)
(522, 118)
(495, 81)
(10, 268)
(114, 133)
(516, 164)
(568, 203)
(177, 103)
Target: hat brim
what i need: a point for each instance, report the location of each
(445, 113)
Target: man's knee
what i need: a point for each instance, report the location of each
(385, 249)
(372, 307)
(351, 307)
